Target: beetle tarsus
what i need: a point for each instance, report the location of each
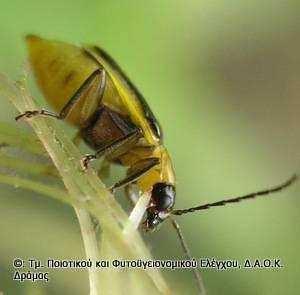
(86, 160)
(28, 114)
(112, 189)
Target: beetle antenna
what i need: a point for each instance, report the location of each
(238, 199)
(188, 254)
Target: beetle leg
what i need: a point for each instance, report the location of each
(115, 148)
(74, 99)
(137, 170)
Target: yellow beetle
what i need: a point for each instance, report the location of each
(91, 91)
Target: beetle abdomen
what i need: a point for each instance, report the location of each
(59, 69)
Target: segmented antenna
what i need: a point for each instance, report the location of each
(188, 254)
(237, 199)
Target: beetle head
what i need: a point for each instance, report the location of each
(162, 201)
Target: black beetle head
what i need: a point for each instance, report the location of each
(162, 201)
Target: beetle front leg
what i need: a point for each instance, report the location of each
(136, 171)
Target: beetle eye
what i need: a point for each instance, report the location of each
(163, 196)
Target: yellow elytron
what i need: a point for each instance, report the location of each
(90, 91)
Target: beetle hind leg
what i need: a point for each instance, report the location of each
(73, 100)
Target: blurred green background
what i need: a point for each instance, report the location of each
(223, 79)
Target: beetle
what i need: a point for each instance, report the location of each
(91, 92)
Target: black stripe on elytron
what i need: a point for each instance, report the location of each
(148, 113)
(68, 77)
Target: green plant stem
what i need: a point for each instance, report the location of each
(88, 192)
(91, 247)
